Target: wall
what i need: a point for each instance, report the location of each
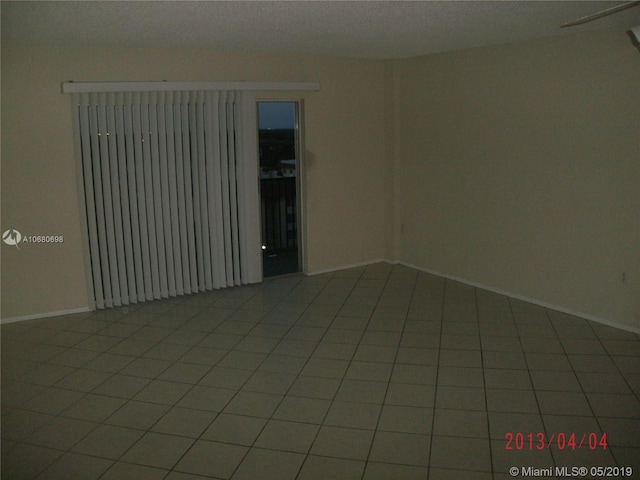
(519, 169)
(345, 147)
(515, 167)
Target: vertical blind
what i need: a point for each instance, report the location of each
(171, 192)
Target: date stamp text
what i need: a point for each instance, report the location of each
(559, 441)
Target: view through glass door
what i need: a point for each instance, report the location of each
(279, 186)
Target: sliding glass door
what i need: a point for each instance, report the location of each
(279, 146)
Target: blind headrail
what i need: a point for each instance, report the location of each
(84, 87)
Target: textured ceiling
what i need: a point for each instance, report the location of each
(367, 29)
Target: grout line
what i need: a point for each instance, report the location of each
(435, 391)
(484, 383)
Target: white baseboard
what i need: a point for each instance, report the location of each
(45, 315)
(346, 267)
(534, 301)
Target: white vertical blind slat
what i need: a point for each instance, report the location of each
(202, 154)
(127, 238)
(136, 276)
(180, 197)
(210, 125)
(247, 126)
(195, 187)
(146, 288)
(102, 255)
(167, 275)
(108, 199)
(121, 292)
(172, 211)
(148, 168)
(86, 140)
(192, 269)
(216, 194)
(152, 186)
(233, 191)
(225, 187)
(137, 288)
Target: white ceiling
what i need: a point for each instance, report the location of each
(367, 29)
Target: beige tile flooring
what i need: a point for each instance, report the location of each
(377, 372)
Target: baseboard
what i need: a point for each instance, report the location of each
(346, 267)
(45, 315)
(534, 301)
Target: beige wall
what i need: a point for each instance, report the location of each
(519, 169)
(345, 146)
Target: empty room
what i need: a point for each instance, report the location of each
(320, 240)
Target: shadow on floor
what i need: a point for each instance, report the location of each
(280, 262)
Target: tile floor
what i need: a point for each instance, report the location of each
(378, 372)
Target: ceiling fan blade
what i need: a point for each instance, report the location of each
(600, 14)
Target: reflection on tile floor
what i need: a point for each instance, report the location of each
(377, 372)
